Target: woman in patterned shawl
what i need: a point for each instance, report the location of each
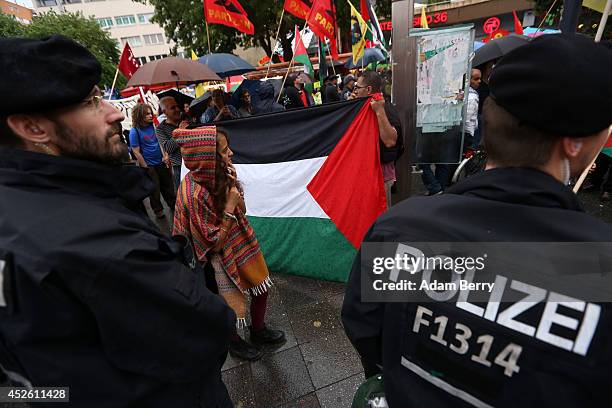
(210, 211)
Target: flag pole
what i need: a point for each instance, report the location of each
(604, 21)
(586, 171)
(332, 59)
(275, 41)
(208, 37)
(290, 65)
(114, 82)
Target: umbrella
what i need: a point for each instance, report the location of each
(172, 70)
(497, 48)
(226, 64)
(199, 105)
(179, 97)
(253, 86)
(370, 55)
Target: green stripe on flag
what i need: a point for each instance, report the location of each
(607, 151)
(311, 247)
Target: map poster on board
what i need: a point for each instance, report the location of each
(442, 78)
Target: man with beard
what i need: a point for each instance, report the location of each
(92, 295)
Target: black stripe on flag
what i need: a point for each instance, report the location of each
(296, 134)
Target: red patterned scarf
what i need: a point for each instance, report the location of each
(239, 266)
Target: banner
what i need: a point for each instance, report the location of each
(322, 22)
(126, 105)
(299, 8)
(229, 13)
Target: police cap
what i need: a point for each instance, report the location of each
(43, 74)
(560, 84)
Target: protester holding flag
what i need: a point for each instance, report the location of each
(172, 111)
(389, 126)
(219, 110)
(210, 211)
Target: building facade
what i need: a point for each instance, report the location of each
(125, 20)
(22, 14)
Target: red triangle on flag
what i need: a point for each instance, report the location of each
(349, 186)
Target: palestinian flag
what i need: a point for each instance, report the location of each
(313, 184)
(301, 55)
(374, 35)
(607, 149)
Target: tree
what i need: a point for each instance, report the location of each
(587, 24)
(183, 22)
(9, 26)
(85, 31)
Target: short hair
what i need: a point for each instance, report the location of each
(139, 112)
(218, 92)
(164, 100)
(8, 138)
(372, 79)
(512, 143)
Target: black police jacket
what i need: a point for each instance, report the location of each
(512, 204)
(95, 298)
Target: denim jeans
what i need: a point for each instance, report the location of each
(438, 181)
(176, 169)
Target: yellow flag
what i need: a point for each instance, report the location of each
(598, 5)
(200, 87)
(424, 18)
(358, 32)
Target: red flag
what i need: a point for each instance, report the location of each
(128, 64)
(364, 11)
(299, 8)
(352, 171)
(229, 13)
(322, 22)
(518, 27)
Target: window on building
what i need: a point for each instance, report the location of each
(105, 22)
(133, 41)
(46, 3)
(142, 60)
(125, 20)
(71, 1)
(145, 18)
(151, 39)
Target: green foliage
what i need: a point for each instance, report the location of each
(183, 21)
(86, 31)
(588, 20)
(9, 26)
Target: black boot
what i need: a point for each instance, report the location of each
(244, 351)
(267, 336)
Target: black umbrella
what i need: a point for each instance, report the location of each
(199, 105)
(226, 65)
(497, 48)
(179, 97)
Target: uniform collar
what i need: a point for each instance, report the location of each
(519, 186)
(20, 167)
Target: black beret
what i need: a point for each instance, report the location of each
(559, 83)
(44, 74)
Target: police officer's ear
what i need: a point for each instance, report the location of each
(31, 129)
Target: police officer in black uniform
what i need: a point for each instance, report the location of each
(548, 116)
(93, 296)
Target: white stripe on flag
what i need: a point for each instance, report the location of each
(279, 189)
